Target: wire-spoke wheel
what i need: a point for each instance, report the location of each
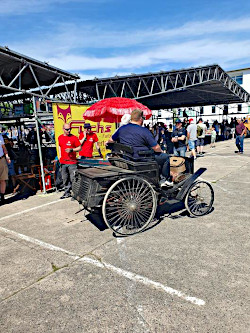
(129, 205)
(199, 198)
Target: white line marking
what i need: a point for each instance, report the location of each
(38, 242)
(119, 271)
(120, 240)
(223, 189)
(28, 210)
(233, 181)
(144, 280)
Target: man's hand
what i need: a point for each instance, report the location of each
(243, 133)
(110, 140)
(8, 160)
(69, 150)
(157, 149)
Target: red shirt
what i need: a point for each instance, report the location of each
(70, 141)
(239, 128)
(87, 147)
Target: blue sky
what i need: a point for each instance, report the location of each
(101, 38)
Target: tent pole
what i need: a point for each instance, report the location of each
(75, 90)
(39, 145)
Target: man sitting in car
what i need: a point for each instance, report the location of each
(141, 139)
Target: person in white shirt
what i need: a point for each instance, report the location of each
(192, 136)
(3, 168)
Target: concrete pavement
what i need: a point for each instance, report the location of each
(61, 273)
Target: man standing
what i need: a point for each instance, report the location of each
(69, 145)
(11, 167)
(192, 136)
(87, 140)
(32, 138)
(201, 133)
(3, 168)
(141, 139)
(240, 131)
(179, 139)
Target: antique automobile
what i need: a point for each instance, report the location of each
(128, 194)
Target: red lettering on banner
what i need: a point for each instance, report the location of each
(79, 125)
(108, 128)
(100, 128)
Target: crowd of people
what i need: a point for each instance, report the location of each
(178, 139)
(27, 133)
(24, 141)
(197, 134)
(19, 144)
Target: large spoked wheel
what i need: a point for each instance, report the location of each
(199, 198)
(129, 205)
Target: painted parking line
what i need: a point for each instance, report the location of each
(29, 210)
(101, 264)
(143, 280)
(224, 189)
(234, 181)
(38, 242)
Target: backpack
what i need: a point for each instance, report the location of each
(199, 131)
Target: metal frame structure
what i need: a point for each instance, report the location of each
(208, 85)
(23, 78)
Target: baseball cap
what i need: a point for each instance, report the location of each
(87, 125)
(191, 120)
(178, 121)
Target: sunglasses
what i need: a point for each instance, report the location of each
(67, 129)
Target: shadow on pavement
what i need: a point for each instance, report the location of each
(97, 220)
(16, 197)
(162, 212)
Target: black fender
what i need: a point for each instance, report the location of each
(186, 185)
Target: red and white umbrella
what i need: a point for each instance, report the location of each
(112, 109)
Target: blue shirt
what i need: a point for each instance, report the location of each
(179, 132)
(1, 145)
(140, 138)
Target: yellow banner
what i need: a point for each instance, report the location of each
(73, 115)
(248, 123)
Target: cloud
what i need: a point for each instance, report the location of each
(76, 38)
(103, 74)
(23, 7)
(99, 37)
(19, 7)
(105, 51)
(192, 53)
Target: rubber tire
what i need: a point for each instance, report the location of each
(154, 207)
(211, 201)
